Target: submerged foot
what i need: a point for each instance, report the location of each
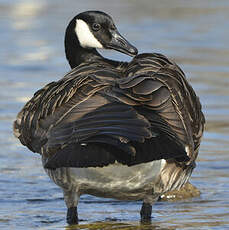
(72, 216)
(146, 212)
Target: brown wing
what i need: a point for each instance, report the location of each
(158, 90)
(65, 119)
(95, 116)
(51, 103)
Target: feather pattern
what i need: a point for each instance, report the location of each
(113, 129)
(135, 109)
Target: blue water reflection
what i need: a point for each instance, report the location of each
(194, 33)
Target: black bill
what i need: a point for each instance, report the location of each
(120, 44)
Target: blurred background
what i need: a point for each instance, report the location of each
(194, 33)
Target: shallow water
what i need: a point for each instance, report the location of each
(195, 33)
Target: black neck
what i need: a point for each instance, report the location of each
(76, 54)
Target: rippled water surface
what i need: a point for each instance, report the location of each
(194, 33)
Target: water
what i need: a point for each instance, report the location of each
(195, 33)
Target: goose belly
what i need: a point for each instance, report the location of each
(119, 181)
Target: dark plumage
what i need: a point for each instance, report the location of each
(105, 112)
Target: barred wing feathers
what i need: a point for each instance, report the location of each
(65, 119)
(97, 115)
(163, 96)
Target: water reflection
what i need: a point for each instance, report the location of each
(114, 225)
(24, 13)
(193, 32)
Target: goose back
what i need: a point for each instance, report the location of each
(98, 114)
(172, 98)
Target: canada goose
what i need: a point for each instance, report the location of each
(129, 131)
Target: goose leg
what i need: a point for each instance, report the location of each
(146, 212)
(71, 199)
(72, 216)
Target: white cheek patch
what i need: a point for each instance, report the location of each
(85, 36)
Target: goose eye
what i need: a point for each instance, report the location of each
(96, 26)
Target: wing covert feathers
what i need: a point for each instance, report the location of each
(98, 114)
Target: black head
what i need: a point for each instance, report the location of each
(95, 29)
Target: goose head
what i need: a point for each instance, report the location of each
(93, 30)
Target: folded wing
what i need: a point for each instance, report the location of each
(96, 116)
